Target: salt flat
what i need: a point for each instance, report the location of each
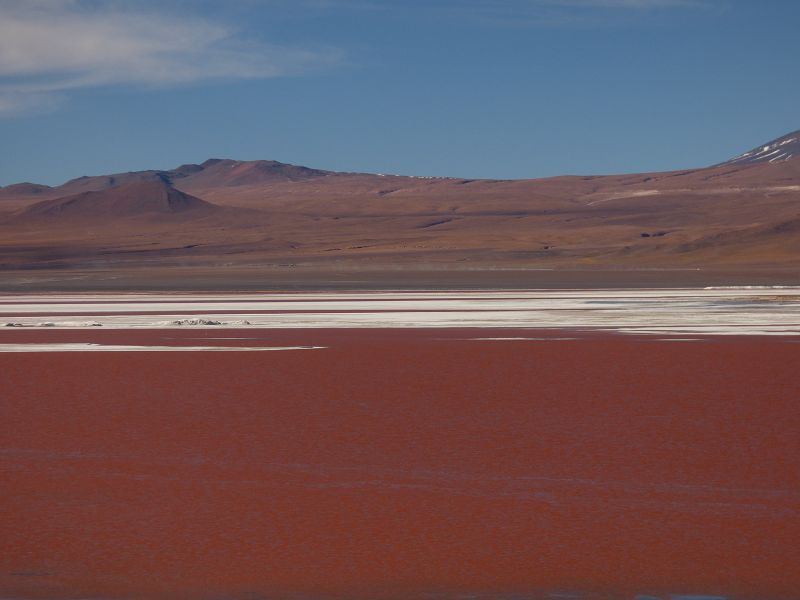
(708, 311)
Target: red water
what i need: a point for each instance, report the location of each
(398, 463)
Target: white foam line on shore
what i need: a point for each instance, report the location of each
(121, 348)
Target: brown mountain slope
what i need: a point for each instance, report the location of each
(264, 215)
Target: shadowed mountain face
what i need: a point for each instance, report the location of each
(742, 214)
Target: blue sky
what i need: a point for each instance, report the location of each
(471, 88)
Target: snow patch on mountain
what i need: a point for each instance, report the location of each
(779, 150)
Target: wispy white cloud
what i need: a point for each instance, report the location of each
(50, 47)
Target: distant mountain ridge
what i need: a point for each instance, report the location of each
(272, 215)
(222, 172)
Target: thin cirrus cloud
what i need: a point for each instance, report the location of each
(49, 48)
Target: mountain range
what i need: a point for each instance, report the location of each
(225, 216)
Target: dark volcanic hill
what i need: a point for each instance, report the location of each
(142, 199)
(267, 216)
